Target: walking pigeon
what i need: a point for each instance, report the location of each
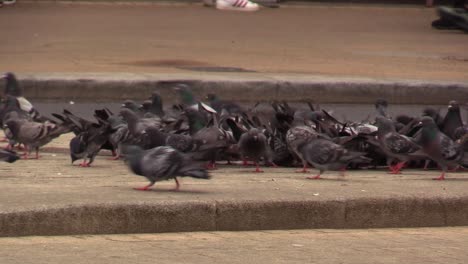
(162, 163)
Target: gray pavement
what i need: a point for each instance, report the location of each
(51, 197)
(383, 42)
(373, 246)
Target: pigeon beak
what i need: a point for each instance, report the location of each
(123, 105)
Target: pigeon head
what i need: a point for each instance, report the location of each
(381, 102)
(211, 97)
(255, 133)
(130, 104)
(185, 93)
(316, 116)
(453, 106)
(146, 105)
(428, 122)
(128, 115)
(430, 112)
(12, 87)
(381, 106)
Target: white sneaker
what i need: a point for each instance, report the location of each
(9, 2)
(239, 5)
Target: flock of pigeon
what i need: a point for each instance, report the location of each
(188, 139)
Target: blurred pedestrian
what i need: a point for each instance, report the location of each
(455, 17)
(236, 5)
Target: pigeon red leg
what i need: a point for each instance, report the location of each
(441, 177)
(304, 169)
(211, 165)
(20, 147)
(37, 153)
(84, 164)
(245, 163)
(314, 177)
(257, 168)
(343, 172)
(145, 188)
(116, 157)
(177, 184)
(397, 168)
(273, 165)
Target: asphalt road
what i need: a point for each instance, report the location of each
(371, 41)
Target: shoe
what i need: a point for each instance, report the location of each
(238, 5)
(9, 2)
(444, 24)
(457, 16)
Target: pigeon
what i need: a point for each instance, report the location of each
(381, 106)
(435, 114)
(396, 146)
(34, 134)
(219, 105)
(12, 88)
(162, 163)
(253, 145)
(186, 96)
(133, 106)
(137, 125)
(452, 120)
(325, 155)
(8, 156)
(441, 148)
(300, 135)
(88, 143)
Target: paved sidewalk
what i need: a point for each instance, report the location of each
(358, 41)
(374, 246)
(51, 197)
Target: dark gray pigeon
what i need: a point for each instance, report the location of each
(8, 156)
(219, 105)
(396, 147)
(137, 125)
(253, 145)
(452, 120)
(300, 135)
(440, 148)
(88, 143)
(162, 163)
(325, 155)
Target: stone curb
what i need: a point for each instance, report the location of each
(235, 216)
(242, 87)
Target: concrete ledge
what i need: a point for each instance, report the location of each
(235, 216)
(245, 87)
